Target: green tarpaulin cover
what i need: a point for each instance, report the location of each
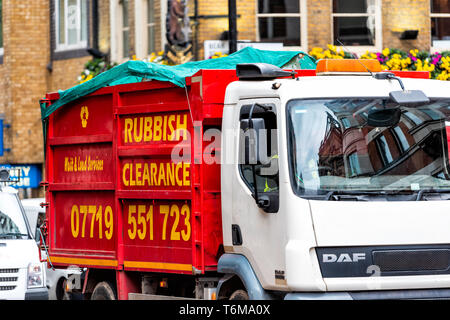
(135, 71)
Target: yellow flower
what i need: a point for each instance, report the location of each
(332, 48)
(386, 52)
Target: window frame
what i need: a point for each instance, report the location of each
(80, 44)
(302, 15)
(378, 28)
(243, 179)
(1, 30)
(437, 15)
(116, 31)
(142, 27)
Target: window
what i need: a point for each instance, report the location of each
(266, 168)
(282, 21)
(353, 162)
(357, 23)
(1, 27)
(125, 6)
(440, 24)
(150, 27)
(71, 24)
(346, 123)
(415, 119)
(383, 147)
(145, 32)
(120, 29)
(398, 132)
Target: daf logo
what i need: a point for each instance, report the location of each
(343, 257)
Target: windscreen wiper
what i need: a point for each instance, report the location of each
(361, 195)
(13, 234)
(421, 192)
(357, 194)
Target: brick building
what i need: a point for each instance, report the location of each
(44, 43)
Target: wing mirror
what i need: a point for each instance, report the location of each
(253, 130)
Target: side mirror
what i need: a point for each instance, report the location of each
(252, 138)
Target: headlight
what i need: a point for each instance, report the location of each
(35, 277)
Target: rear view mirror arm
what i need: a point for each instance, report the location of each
(389, 76)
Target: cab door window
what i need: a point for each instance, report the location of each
(266, 164)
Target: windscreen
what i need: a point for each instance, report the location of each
(335, 147)
(12, 222)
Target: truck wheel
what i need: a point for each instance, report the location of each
(239, 295)
(60, 289)
(104, 291)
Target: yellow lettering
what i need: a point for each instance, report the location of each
(182, 127)
(165, 129)
(178, 167)
(170, 174)
(138, 174)
(148, 129)
(157, 128)
(153, 172)
(164, 209)
(186, 180)
(162, 176)
(126, 167)
(132, 182)
(138, 136)
(146, 176)
(171, 128)
(128, 129)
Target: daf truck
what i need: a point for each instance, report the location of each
(254, 183)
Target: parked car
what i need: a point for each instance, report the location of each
(56, 278)
(22, 274)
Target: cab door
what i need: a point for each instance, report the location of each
(257, 219)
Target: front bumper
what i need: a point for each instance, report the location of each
(372, 295)
(37, 294)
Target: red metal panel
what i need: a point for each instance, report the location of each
(80, 171)
(157, 235)
(411, 74)
(86, 116)
(83, 163)
(85, 222)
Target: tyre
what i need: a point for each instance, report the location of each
(104, 291)
(239, 295)
(60, 289)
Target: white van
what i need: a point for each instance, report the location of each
(56, 278)
(22, 274)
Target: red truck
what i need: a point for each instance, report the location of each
(119, 204)
(140, 192)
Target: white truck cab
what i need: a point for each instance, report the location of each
(22, 274)
(358, 207)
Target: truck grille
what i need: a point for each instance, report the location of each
(9, 270)
(412, 260)
(6, 288)
(8, 278)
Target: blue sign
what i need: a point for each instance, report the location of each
(30, 175)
